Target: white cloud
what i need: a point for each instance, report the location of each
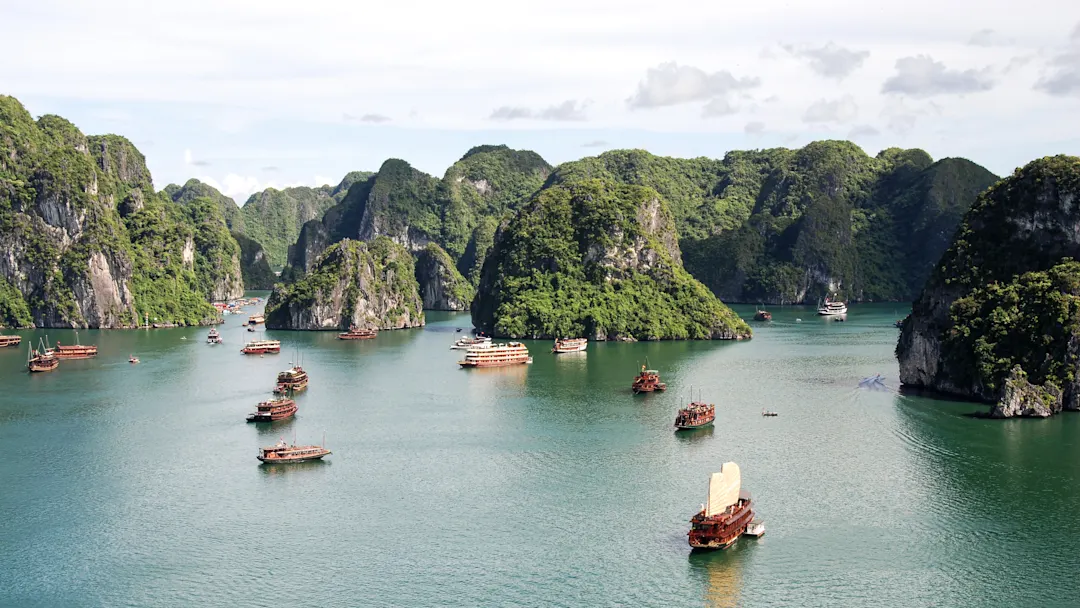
(241, 187)
(835, 110)
(325, 181)
(233, 75)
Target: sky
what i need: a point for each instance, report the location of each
(248, 95)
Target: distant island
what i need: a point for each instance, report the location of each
(652, 246)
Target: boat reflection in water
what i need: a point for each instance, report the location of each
(721, 575)
(693, 435)
(276, 468)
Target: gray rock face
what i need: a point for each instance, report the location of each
(1027, 222)
(441, 286)
(1022, 398)
(313, 240)
(369, 285)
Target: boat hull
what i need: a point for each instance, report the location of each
(42, 367)
(720, 531)
(261, 351)
(690, 427)
(493, 363)
(10, 341)
(292, 460)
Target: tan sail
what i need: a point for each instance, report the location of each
(724, 489)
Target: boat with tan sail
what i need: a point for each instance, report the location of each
(285, 453)
(356, 333)
(727, 514)
(496, 355)
(10, 341)
(274, 409)
(41, 359)
(259, 347)
(570, 345)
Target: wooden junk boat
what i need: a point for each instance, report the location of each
(695, 415)
(214, 337)
(75, 351)
(763, 315)
(496, 355)
(467, 342)
(275, 409)
(570, 345)
(258, 347)
(41, 360)
(285, 453)
(355, 333)
(10, 341)
(727, 514)
(291, 380)
(647, 381)
(256, 319)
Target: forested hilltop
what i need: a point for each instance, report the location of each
(790, 226)
(86, 242)
(999, 320)
(776, 226)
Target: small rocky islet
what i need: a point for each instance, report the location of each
(624, 246)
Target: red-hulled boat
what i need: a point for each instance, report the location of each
(763, 315)
(695, 415)
(41, 360)
(720, 522)
(355, 333)
(10, 341)
(275, 409)
(290, 380)
(648, 381)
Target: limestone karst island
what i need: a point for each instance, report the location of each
(472, 305)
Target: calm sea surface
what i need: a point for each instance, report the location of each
(544, 485)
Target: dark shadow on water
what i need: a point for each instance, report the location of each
(275, 428)
(692, 435)
(283, 468)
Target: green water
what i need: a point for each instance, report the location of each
(542, 485)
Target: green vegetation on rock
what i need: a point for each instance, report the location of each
(13, 309)
(273, 218)
(600, 259)
(89, 242)
(999, 319)
(370, 285)
(442, 287)
(193, 189)
(254, 265)
(787, 226)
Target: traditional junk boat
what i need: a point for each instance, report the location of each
(214, 337)
(831, 308)
(467, 342)
(355, 333)
(570, 345)
(43, 360)
(720, 523)
(762, 315)
(256, 319)
(275, 409)
(695, 415)
(75, 351)
(648, 381)
(496, 355)
(284, 453)
(259, 347)
(291, 380)
(10, 341)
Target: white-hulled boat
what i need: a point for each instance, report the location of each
(467, 342)
(831, 308)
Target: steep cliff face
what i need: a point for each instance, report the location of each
(788, 226)
(254, 265)
(1005, 294)
(596, 259)
(86, 242)
(441, 285)
(274, 218)
(370, 285)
